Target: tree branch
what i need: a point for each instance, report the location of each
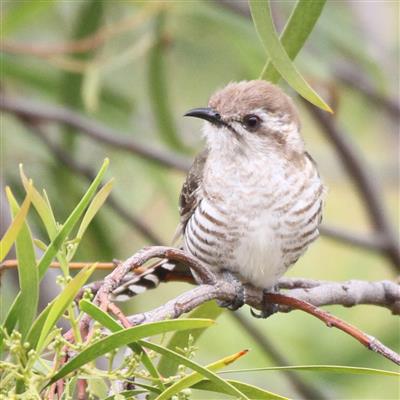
(100, 133)
(211, 286)
(227, 292)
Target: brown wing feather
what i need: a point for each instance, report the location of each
(190, 194)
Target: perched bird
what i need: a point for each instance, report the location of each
(252, 201)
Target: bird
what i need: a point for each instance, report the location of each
(252, 201)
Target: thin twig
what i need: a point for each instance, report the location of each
(119, 314)
(11, 264)
(85, 44)
(100, 133)
(331, 321)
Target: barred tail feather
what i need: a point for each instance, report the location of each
(162, 271)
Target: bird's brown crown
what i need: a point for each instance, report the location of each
(239, 98)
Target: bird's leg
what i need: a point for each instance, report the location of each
(239, 299)
(268, 308)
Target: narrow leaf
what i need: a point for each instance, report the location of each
(27, 272)
(71, 221)
(195, 377)
(295, 33)
(221, 383)
(340, 369)
(41, 205)
(57, 242)
(62, 302)
(123, 338)
(167, 365)
(13, 230)
(94, 207)
(262, 18)
(36, 329)
(249, 390)
(107, 321)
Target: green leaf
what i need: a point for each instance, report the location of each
(251, 391)
(27, 272)
(123, 338)
(195, 377)
(57, 242)
(158, 90)
(41, 205)
(36, 329)
(71, 221)
(167, 365)
(107, 321)
(295, 33)
(221, 383)
(13, 230)
(263, 22)
(340, 369)
(61, 303)
(94, 207)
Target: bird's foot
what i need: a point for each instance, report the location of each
(268, 308)
(239, 299)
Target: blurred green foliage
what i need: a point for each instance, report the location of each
(129, 82)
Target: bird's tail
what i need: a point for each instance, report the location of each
(161, 271)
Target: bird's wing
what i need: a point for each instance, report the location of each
(165, 270)
(191, 192)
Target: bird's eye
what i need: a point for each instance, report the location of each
(252, 122)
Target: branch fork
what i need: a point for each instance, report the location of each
(301, 294)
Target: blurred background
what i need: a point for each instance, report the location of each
(135, 67)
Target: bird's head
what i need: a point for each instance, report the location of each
(251, 116)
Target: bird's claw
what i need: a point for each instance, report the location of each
(268, 308)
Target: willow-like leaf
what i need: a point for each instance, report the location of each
(295, 33)
(108, 322)
(13, 230)
(122, 338)
(27, 273)
(62, 302)
(57, 242)
(339, 369)
(193, 378)
(251, 391)
(167, 365)
(262, 18)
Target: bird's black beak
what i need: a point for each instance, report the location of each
(207, 113)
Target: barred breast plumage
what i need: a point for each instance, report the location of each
(257, 220)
